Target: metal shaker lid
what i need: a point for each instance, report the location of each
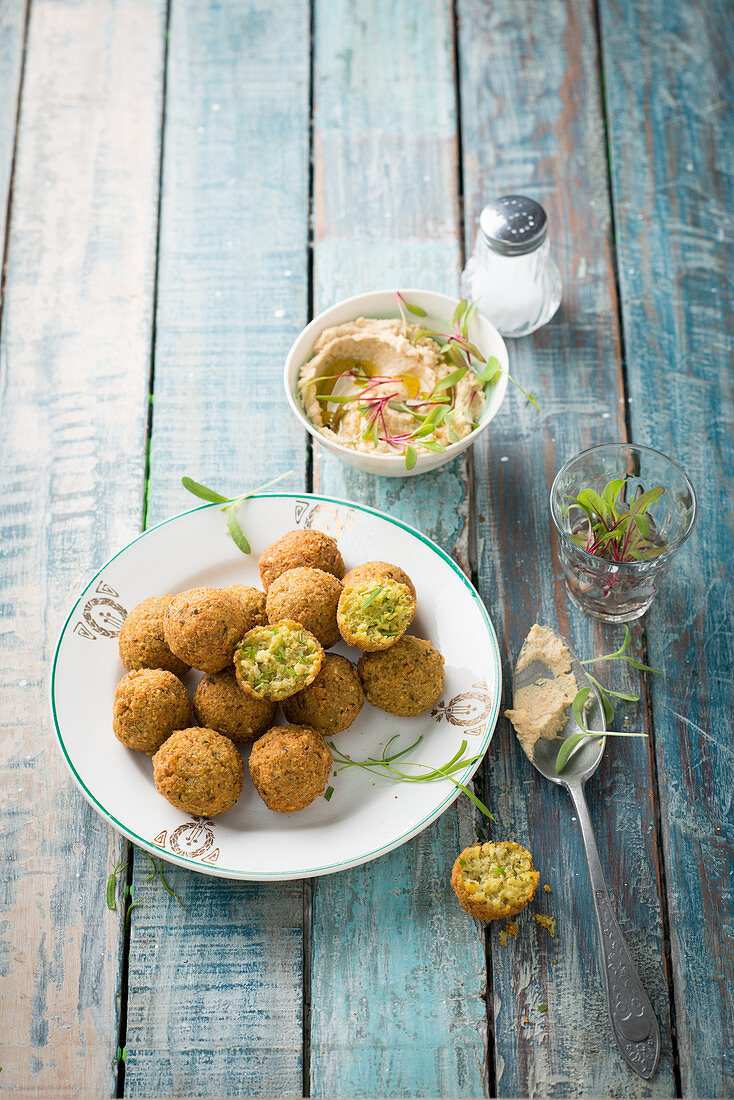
(514, 225)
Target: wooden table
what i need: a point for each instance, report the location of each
(181, 187)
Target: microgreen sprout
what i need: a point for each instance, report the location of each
(231, 504)
(390, 766)
(615, 530)
(578, 704)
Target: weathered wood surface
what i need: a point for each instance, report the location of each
(532, 122)
(398, 971)
(670, 88)
(394, 972)
(73, 367)
(12, 44)
(215, 989)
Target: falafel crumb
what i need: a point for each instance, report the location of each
(547, 888)
(549, 923)
(510, 929)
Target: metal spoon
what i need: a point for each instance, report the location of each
(633, 1021)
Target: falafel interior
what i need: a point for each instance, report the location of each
(373, 612)
(274, 662)
(494, 880)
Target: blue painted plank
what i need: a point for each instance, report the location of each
(532, 122)
(670, 89)
(12, 34)
(74, 362)
(215, 989)
(412, 1020)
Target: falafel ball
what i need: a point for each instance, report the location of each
(150, 703)
(380, 570)
(220, 704)
(332, 702)
(141, 640)
(203, 626)
(375, 612)
(253, 602)
(290, 766)
(406, 679)
(199, 771)
(308, 596)
(273, 662)
(296, 548)
(494, 880)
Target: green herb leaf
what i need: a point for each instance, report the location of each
(202, 491)
(467, 318)
(450, 380)
(371, 596)
(459, 311)
(236, 533)
(542, 1008)
(569, 746)
(492, 368)
(577, 707)
(417, 311)
(328, 793)
(411, 457)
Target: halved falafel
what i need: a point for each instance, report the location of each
(220, 704)
(199, 771)
(273, 662)
(332, 702)
(375, 612)
(405, 679)
(150, 703)
(203, 626)
(307, 596)
(141, 640)
(253, 603)
(379, 571)
(290, 766)
(297, 548)
(494, 880)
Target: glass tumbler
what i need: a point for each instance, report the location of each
(617, 592)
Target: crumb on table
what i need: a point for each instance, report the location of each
(549, 923)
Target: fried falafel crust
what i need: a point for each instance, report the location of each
(150, 703)
(332, 702)
(307, 596)
(203, 627)
(141, 640)
(405, 679)
(199, 771)
(220, 704)
(290, 766)
(300, 548)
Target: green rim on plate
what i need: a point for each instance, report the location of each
(225, 872)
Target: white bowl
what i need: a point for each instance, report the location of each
(383, 303)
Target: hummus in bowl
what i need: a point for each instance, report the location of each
(369, 383)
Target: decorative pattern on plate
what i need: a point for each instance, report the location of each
(324, 516)
(102, 616)
(193, 839)
(469, 709)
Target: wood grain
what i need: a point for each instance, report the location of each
(12, 34)
(215, 989)
(398, 970)
(670, 88)
(74, 366)
(532, 122)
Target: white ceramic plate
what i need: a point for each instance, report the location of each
(366, 815)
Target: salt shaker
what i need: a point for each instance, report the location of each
(511, 274)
